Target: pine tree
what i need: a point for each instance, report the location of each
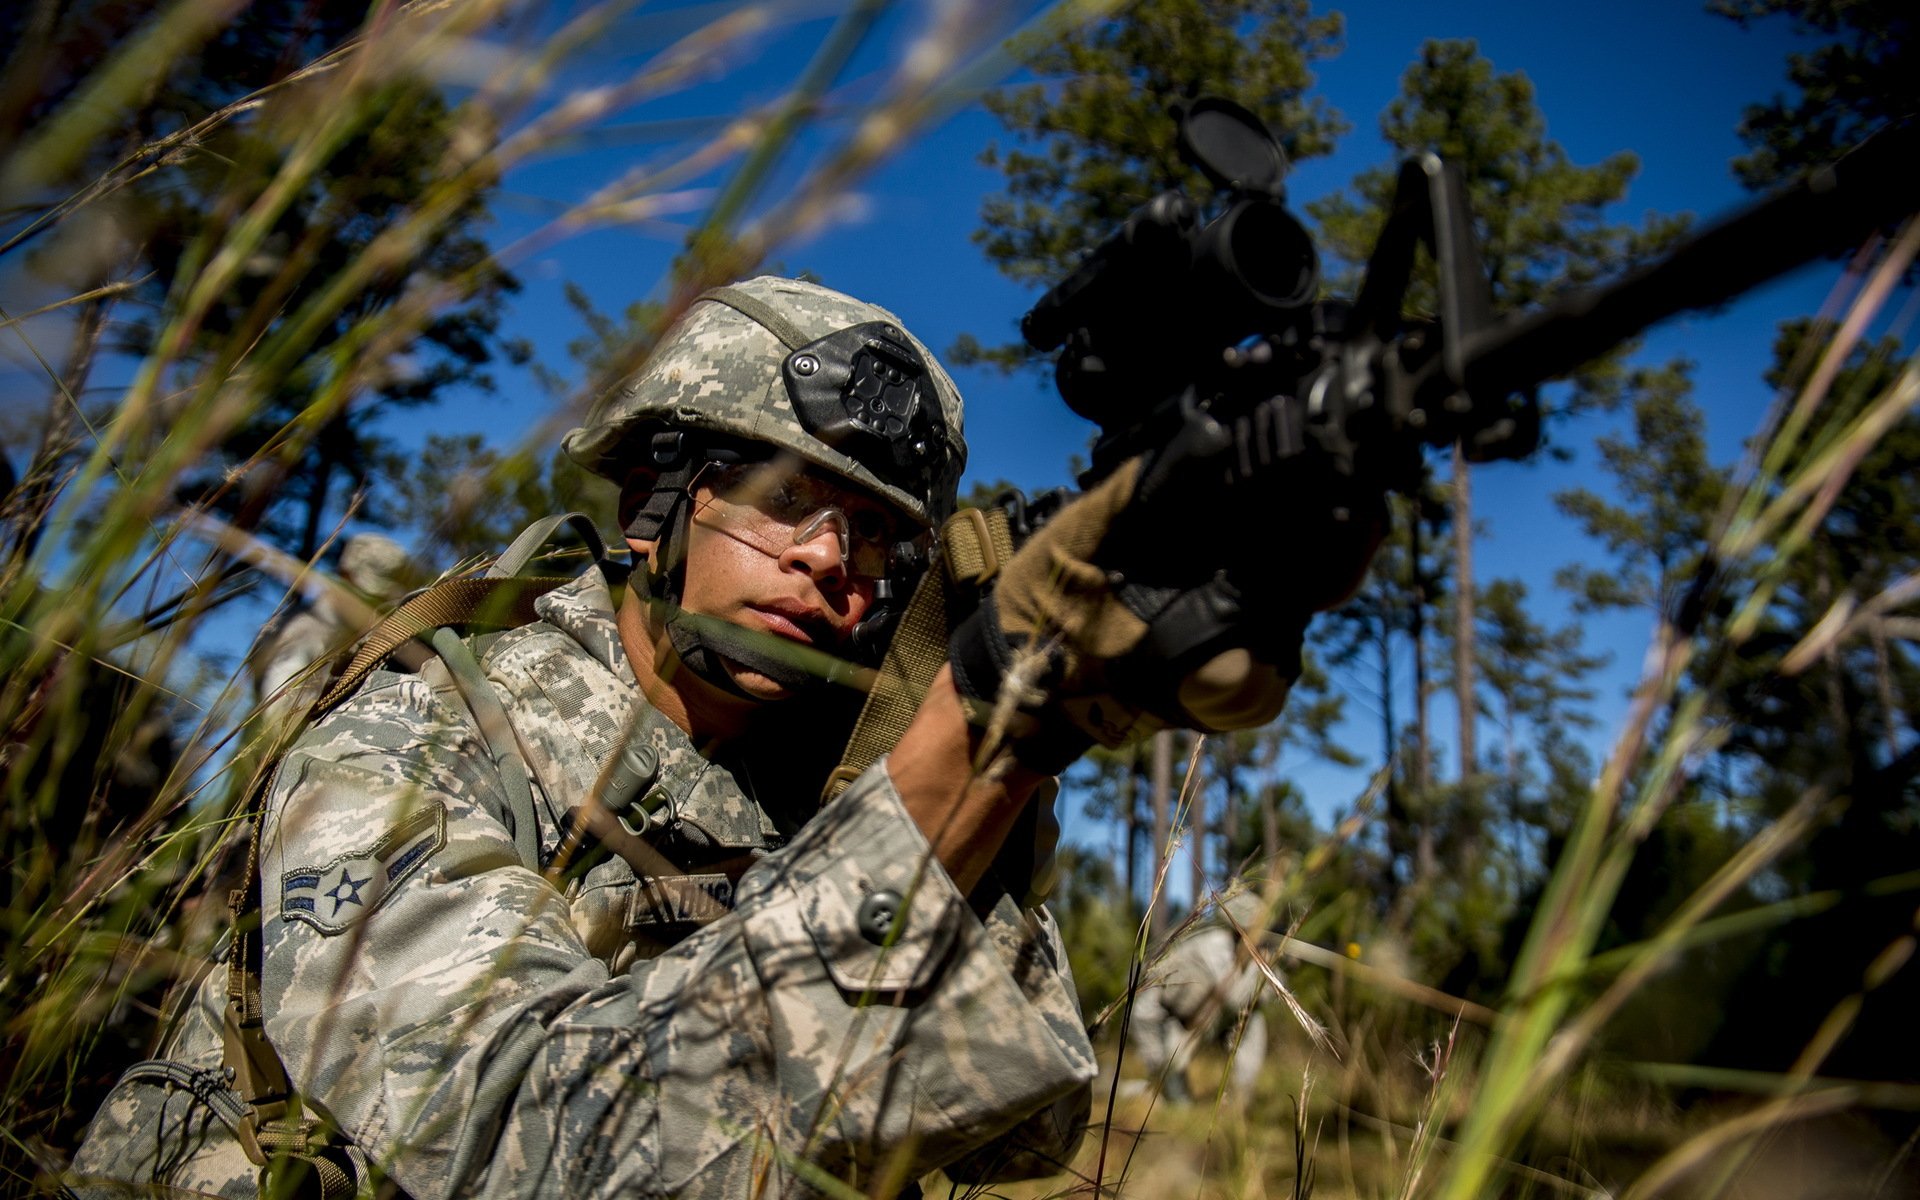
(1531, 673)
(285, 469)
(1094, 140)
(1867, 73)
(1252, 766)
(1542, 226)
(1669, 492)
(1367, 634)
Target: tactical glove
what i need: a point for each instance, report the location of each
(1175, 592)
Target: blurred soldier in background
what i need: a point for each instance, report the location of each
(378, 569)
(1197, 992)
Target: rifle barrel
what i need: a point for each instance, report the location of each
(1832, 210)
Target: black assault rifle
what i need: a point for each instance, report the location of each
(1172, 320)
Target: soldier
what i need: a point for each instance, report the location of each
(853, 992)
(1204, 984)
(374, 566)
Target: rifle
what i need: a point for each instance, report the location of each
(1173, 324)
(1205, 350)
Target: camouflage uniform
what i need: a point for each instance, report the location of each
(1199, 989)
(474, 1030)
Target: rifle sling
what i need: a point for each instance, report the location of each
(974, 544)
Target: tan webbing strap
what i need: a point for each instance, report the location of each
(272, 1131)
(974, 544)
(501, 603)
(273, 1127)
(259, 1077)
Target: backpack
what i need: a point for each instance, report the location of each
(236, 1126)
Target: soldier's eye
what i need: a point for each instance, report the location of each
(785, 501)
(870, 526)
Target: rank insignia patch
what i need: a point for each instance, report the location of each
(333, 897)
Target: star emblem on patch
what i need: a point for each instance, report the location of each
(347, 891)
(333, 897)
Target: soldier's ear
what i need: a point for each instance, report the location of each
(643, 549)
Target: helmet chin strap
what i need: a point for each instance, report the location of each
(701, 642)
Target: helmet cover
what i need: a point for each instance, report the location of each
(836, 382)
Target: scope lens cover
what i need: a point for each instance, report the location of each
(866, 392)
(1232, 147)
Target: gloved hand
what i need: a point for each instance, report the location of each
(1175, 592)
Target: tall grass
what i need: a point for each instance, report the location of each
(128, 737)
(113, 844)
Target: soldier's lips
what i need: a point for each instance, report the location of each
(793, 623)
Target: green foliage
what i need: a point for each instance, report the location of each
(607, 344)
(1093, 141)
(467, 500)
(1542, 224)
(1541, 218)
(1099, 926)
(1245, 772)
(1866, 74)
(377, 177)
(283, 468)
(1669, 495)
(1842, 721)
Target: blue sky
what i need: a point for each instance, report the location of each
(1663, 79)
(1659, 77)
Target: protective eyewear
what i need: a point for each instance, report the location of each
(773, 509)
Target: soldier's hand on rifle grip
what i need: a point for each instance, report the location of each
(1120, 616)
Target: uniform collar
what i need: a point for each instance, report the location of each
(583, 610)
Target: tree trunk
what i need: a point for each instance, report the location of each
(1463, 628)
(1162, 819)
(309, 546)
(1421, 769)
(1512, 749)
(1883, 685)
(1389, 728)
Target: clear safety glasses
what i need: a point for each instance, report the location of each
(773, 508)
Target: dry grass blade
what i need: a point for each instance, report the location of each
(1306, 1153)
(1768, 523)
(1315, 1030)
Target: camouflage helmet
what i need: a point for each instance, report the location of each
(377, 565)
(801, 368)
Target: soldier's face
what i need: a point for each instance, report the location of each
(781, 553)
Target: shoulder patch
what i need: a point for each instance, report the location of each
(334, 897)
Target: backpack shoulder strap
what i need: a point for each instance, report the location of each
(274, 1132)
(500, 599)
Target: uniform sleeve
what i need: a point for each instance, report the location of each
(852, 1017)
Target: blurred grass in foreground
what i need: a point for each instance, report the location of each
(123, 738)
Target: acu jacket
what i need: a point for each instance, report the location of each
(471, 1028)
